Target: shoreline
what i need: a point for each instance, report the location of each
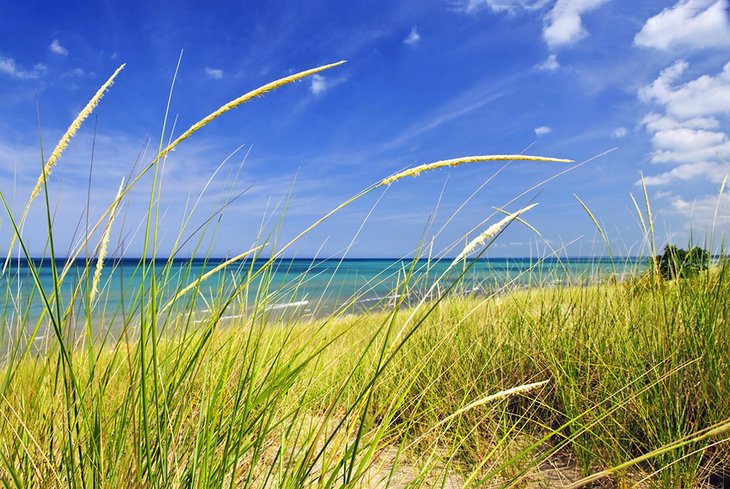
(275, 312)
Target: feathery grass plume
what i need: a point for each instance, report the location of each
(61, 147)
(70, 132)
(479, 402)
(492, 397)
(243, 99)
(104, 245)
(209, 274)
(489, 233)
(417, 170)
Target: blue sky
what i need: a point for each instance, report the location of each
(425, 80)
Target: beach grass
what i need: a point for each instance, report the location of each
(200, 384)
(629, 369)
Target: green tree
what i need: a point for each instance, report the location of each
(676, 262)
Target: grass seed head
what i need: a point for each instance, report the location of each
(70, 132)
(490, 232)
(104, 245)
(417, 170)
(59, 149)
(241, 100)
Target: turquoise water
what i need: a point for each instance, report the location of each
(309, 286)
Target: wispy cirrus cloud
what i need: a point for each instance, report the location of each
(504, 5)
(550, 64)
(320, 84)
(465, 103)
(57, 48)
(14, 70)
(75, 73)
(709, 212)
(413, 37)
(213, 73)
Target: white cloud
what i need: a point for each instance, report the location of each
(719, 152)
(685, 139)
(687, 125)
(704, 96)
(413, 37)
(542, 131)
(17, 159)
(704, 211)
(214, 73)
(663, 194)
(550, 64)
(74, 73)
(480, 95)
(655, 122)
(11, 68)
(713, 171)
(690, 23)
(684, 145)
(319, 84)
(620, 132)
(504, 5)
(564, 25)
(56, 48)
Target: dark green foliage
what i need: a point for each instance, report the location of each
(676, 262)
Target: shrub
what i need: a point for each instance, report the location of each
(676, 262)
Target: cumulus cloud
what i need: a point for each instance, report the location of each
(689, 23)
(542, 130)
(656, 122)
(413, 37)
(684, 139)
(12, 69)
(620, 132)
(214, 73)
(564, 25)
(686, 127)
(56, 48)
(676, 156)
(504, 5)
(707, 170)
(706, 95)
(550, 64)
